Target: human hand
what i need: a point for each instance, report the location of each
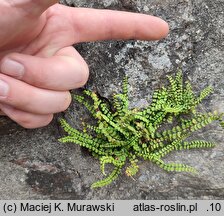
(38, 65)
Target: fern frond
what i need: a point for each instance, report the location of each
(173, 90)
(83, 101)
(125, 87)
(204, 94)
(109, 160)
(113, 176)
(121, 135)
(195, 145)
(132, 169)
(171, 167)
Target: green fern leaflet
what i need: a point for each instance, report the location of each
(121, 135)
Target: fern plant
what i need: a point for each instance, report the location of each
(121, 135)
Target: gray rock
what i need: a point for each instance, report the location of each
(35, 165)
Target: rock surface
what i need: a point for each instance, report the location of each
(34, 165)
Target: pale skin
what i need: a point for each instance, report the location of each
(38, 65)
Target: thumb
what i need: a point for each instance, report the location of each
(32, 7)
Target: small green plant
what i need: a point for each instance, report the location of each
(122, 136)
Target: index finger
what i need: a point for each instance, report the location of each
(95, 24)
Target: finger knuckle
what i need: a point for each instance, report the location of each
(31, 123)
(66, 103)
(46, 121)
(85, 73)
(26, 121)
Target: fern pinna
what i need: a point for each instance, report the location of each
(122, 136)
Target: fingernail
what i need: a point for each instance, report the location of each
(4, 89)
(12, 68)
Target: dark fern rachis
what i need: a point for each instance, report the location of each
(121, 135)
